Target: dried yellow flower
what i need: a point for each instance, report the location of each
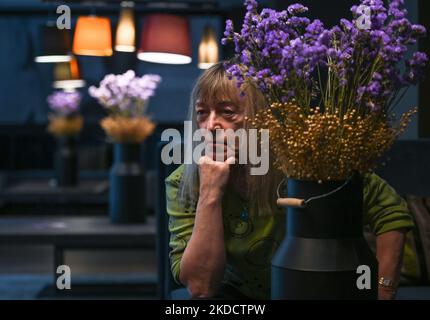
(65, 126)
(127, 130)
(327, 146)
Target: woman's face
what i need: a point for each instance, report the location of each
(220, 114)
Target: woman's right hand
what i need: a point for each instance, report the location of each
(214, 175)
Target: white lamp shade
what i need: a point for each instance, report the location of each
(208, 48)
(126, 32)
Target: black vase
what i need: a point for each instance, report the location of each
(324, 245)
(66, 162)
(127, 185)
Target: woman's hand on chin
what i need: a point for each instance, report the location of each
(214, 175)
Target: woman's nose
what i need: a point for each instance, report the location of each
(213, 122)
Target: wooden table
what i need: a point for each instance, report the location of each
(35, 192)
(68, 233)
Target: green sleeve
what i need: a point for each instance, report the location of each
(181, 222)
(384, 209)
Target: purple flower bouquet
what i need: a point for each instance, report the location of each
(126, 98)
(65, 120)
(330, 91)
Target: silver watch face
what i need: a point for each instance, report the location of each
(386, 282)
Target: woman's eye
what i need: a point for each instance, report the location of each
(229, 112)
(200, 112)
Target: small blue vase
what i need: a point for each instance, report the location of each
(127, 185)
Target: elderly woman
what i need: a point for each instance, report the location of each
(224, 223)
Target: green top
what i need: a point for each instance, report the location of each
(251, 242)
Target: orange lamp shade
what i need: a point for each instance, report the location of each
(165, 39)
(93, 36)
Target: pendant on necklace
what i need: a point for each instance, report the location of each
(244, 215)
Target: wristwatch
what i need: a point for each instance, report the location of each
(386, 283)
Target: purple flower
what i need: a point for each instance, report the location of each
(415, 68)
(373, 107)
(296, 8)
(284, 52)
(346, 24)
(380, 19)
(377, 76)
(397, 10)
(324, 38)
(379, 37)
(64, 103)
(234, 71)
(419, 59)
(333, 53)
(125, 93)
(360, 92)
(251, 5)
(315, 28)
(374, 89)
(418, 31)
(228, 28)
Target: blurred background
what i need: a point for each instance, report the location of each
(47, 219)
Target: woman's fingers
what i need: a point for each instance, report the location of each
(209, 160)
(214, 174)
(204, 159)
(220, 151)
(230, 160)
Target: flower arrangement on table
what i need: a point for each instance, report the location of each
(126, 98)
(331, 92)
(65, 120)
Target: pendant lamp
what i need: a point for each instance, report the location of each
(93, 36)
(67, 76)
(165, 39)
(208, 48)
(55, 44)
(126, 32)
